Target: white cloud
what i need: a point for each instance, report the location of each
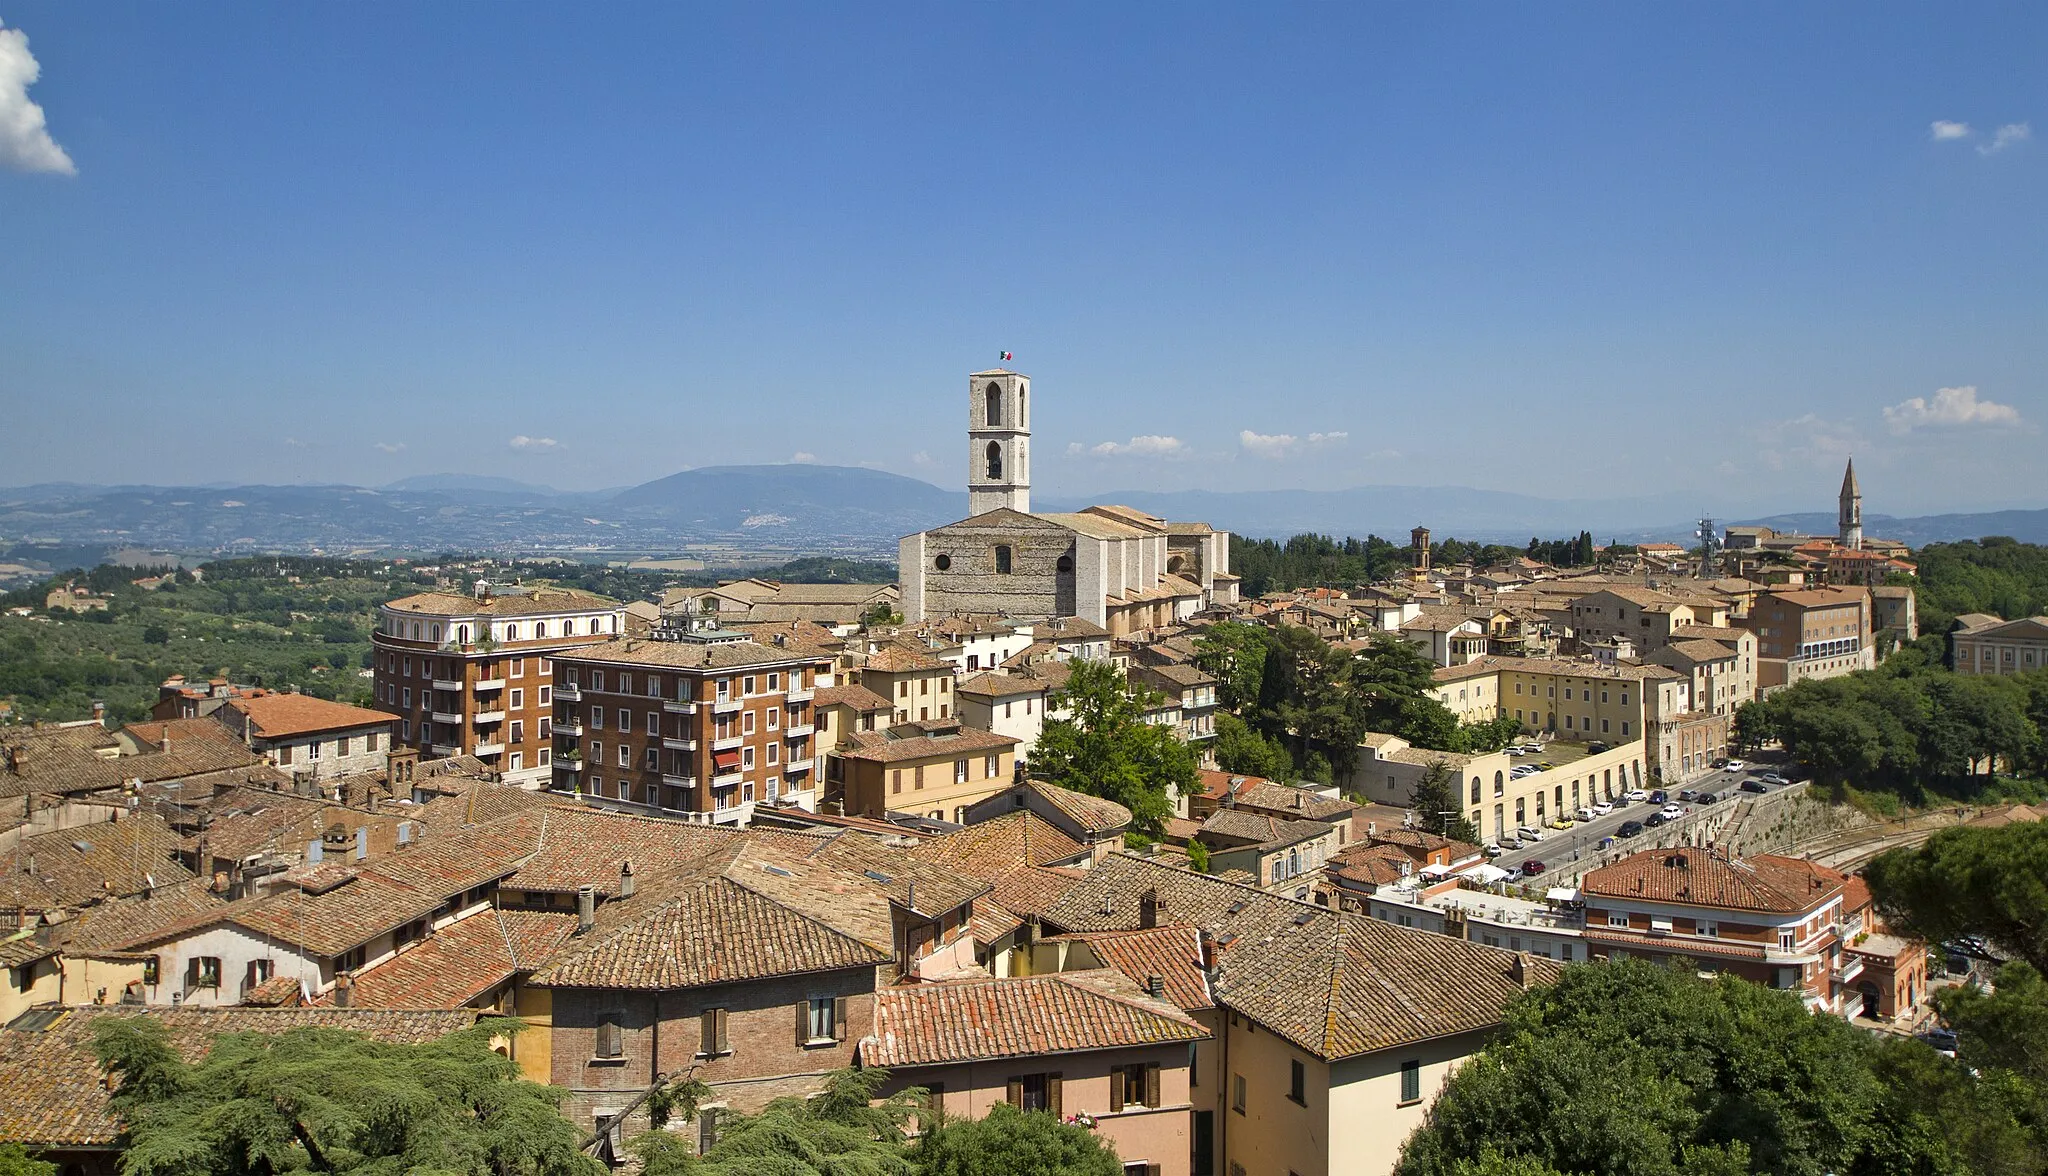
(1274, 446)
(2006, 136)
(1808, 440)
(1149, 445)
(295, 443)
(1951, 408)
(1943, 130)
(25, 141)
(522, 441)
(800, 457)
(388, 446)
(922, 459)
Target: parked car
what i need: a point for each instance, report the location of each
(1510, 842)
(1659, 797)
(1755, 786)
(1943, 1040)
(1530, 833)
(1735, 766)
(1654, 820)
(1586, 814)
(1595, 747)
(1671, 812)
(1493, 851)
(1630, 829)
(1719, 763)
(1709, 798)
(1563, 823)
(1522, 771)
(1636, 796)
(1533, 867)
(1689, 795)
(1601, 808)
(1774, 778)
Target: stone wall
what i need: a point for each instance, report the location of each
(1033, 587)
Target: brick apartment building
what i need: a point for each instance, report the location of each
(693, 721)
(1811, 633)
(472, 675)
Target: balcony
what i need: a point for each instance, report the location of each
(484, 749)
(728, 779)
(796, 767)
(678, 781)
(1852, 967)
(483, 684)
(569, 765)
(680, 708)
(679, 744)
(802, 695)
(568, 692)
(490, 716)
(728, 743)
(452, 685)
(572, 727)
(799, 730)
(727, 706)
(447, 718)
(444, 750)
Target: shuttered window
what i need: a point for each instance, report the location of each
(711, 1033)
(610, 1037)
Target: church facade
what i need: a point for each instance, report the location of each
(1119, 567)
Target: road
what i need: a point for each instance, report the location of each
(1560, 846)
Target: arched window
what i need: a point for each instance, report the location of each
(1003, 559)
(1499, 783)
(434, 634)
(995, 460)
(540, 629)
(1475, 790)
(512, 632)
(1065, 564)
(1175, 564)
(461, 634)
(994, 395)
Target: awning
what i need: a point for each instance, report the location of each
(1561, 894)
(1487, 873)
(725, 761)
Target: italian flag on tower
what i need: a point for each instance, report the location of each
(1005, 357)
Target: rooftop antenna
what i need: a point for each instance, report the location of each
(1711, 544)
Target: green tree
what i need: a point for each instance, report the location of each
(1243, 750)
(15, 1161)
(1198, 857)
(1635, 1070)
(1107, 749)
(330, 1100)
(1434, 801)
(156, 635)
(843, 1131)
(1971, 880)
(1010, 1142)
(1234, 653)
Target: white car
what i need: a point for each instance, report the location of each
(1637, 796)
(1523, 772)
(1671, 812)
(1494, 851)
(1735, 766)
(1530, 833)
(1586, 814)
(1602, 808)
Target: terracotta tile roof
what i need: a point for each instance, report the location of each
(1373, 865)
(972, 1020)
(1257, 792)
(1820, 597)
(52, 1088)
(572, 846)
(1175, 673)
(151, 733)
(1172, 953)
(482, 802)
(1092, 814)
(462, 961)
(1032, 890)
(1704, 877)
(859, 698)
(76, 867)
(1334, 983)
(689, 655)
(1002, 685)
(883, 748)
(1266, 832)
(995, 846)
(897, 657)
(55, 767)
(24, 949)
(110, 926)
(280, 716)
(714, 931)
(1698, 650)
(528, 602)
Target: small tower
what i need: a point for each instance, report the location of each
(1849, 521)
(998, 441)
(1418, 553)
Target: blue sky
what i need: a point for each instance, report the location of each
(1562, 250)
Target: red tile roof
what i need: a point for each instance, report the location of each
(1704, 877)
(1172, 953)
(281, 716)
(462, 961)
(1027, 1016)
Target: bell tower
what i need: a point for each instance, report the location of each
(998, 441)
(1849, 521)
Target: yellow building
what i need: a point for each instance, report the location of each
(936, 769)
(34, 976)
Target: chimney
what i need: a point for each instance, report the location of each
(1148, 909)
(626, 879)
(99, 712)
(586, 909)
(220, 882)
(1519, 970)
(1155, 984)
(1207, 941)
(342, 984)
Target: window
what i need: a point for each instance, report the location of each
(653, 759)
(596, 753)
(747, 723)
(1710, 928)
(992, 767)
(1237, 1093)
(610, 1037)
(774, 754)
(896, 780)
(711, 1037)
(654, 722)
(747, 686)
(821, 1019)
(1297, 1081)
(1475, 790)
(1615, 920)
(707, 1129)
(597, 717)
(960, 771)
(746, 758)
(625, 756)
(1133, 1086)
(774, 683)
(1003, 559)
(1411, 1083)
(995, 460)
(202, 972)
(774, 719)
(518, 699)
(406, 694)
(519, 730)
(1787, 940)
(1035, 1092)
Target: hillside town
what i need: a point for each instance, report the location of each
(756, 834)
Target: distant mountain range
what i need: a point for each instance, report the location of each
(771, 512)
